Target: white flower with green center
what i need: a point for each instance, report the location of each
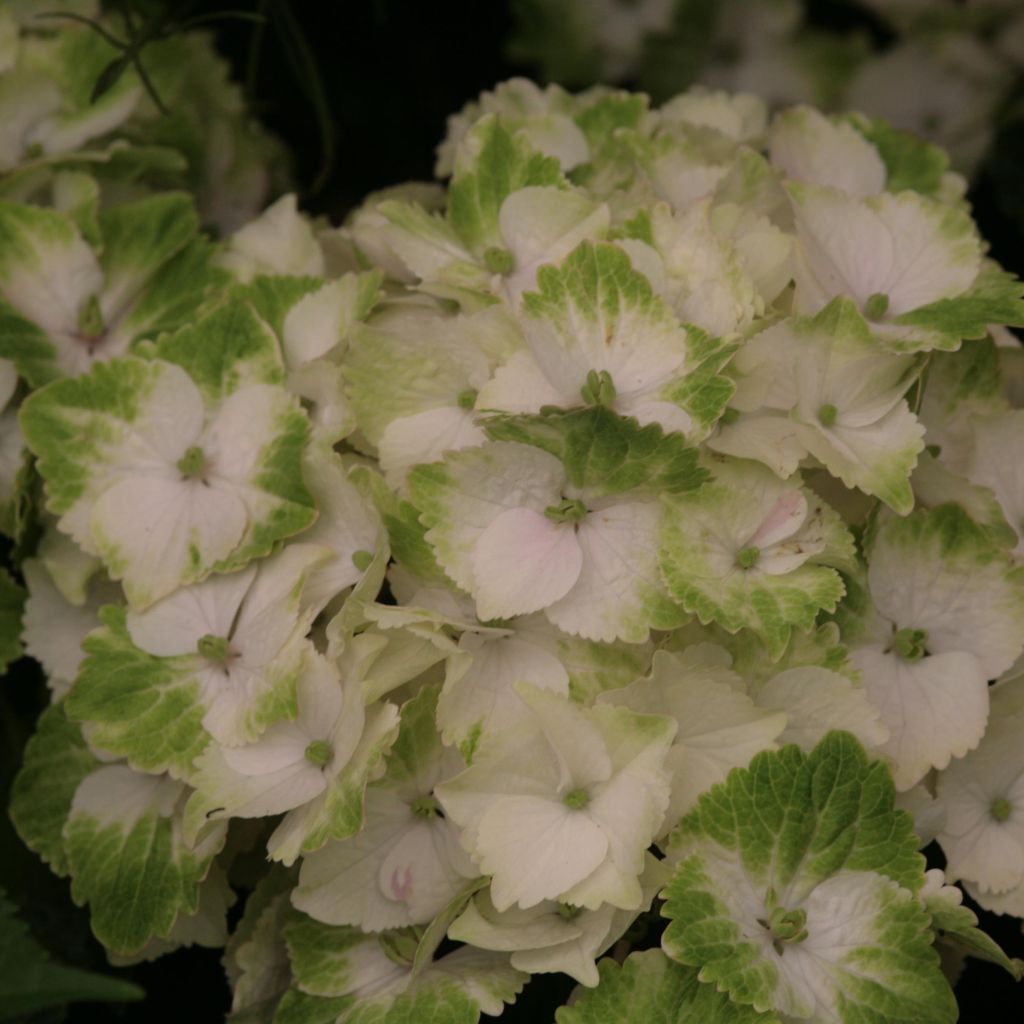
(912, 265)
(553, 936)
(313, 767)
(72, 301)
(949, 606)
(220, 658)
(747, 550)
(563, 807)
(983, 798)
(720, 728)
(412, 375)
(348, 525)
(598, 335)
(570, 533)
(820, 387)
(510, 211)
(795, 892)
(405, 865)
(179, 466)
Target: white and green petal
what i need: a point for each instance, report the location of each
(123, 833)
(720, 728)
(279, 241)
(816, 150)
(891, 254)
(649, 986)
(983, 799)
(598, 335)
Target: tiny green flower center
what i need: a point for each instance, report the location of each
(730, 415)
(568, 510)
(466, 399)
(214, 648)
(1001, 809)
(787, 926)
(568, 911)
(425, 807)
(909, 644)
(827, 415)
(746, 558)
(193, 463)
(498, 260)
(599, 388)
(362, 559)
(319, 752)
(576, 799)
(90, 320)
(877, 306)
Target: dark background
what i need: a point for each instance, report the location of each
(390, 72)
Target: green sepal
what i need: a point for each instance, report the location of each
(651, 988)
(606, 454)
(30, 982)
(138, 706)
(55, 761)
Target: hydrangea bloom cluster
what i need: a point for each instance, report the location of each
(962, 58)
(629, 528)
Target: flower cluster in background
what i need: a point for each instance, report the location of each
(636, 516)
(938, 68)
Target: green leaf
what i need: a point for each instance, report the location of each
(55, 761)
(652, 989)
(607, 454)
(12, 601)
(795, 889)
(139, 706)
(503, 164)
(30, 982)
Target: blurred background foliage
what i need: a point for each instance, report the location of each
(358, 93)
